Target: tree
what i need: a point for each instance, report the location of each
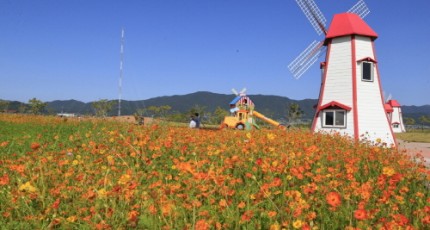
(424, 120)
(36, 106)
(219, 115)
(294, 112)
(409, 121)
(4, 105)
(160, 111)
(102, 107)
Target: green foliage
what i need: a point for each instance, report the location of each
(102, 107)
(4, 105)
(409, 121)
(36, 106)
(425, 120)
(294, 112)
(159, 111)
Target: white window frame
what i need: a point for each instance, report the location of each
(334, 118)
(371, 71)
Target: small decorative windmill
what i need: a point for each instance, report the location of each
(350, 100)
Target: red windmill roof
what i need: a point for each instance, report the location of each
(349, 24)
(394, 103)
(388, 108)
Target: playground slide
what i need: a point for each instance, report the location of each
(266, 119)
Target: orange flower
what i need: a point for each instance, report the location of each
(272, 213)
(35, 145)
(4, 180)
(132, 215)
(426, 220)
(333, 199)
(247, 216)
(4, 144)
(360, 214)
(202, 225)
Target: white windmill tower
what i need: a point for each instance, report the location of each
(395, 116)
(350, 100)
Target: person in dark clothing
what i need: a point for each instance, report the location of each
(197, 120)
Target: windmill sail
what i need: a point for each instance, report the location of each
(311, 54)
(314, 15)
(306, 59)
(360, 8)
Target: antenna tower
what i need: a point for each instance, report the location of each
(120, 72)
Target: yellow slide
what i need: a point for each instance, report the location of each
(266, 119)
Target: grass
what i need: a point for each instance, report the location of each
(415, 136)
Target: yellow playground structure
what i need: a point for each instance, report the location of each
(242, 115)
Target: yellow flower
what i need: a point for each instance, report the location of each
(110, 160)
(248, 135)
(275, 226)
(388, 171)
(75, 162)
(71, 219)
(271, 136)
(124, 179)
(297, 224)
(27, 187)
(101, 193)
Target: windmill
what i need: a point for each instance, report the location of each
(241, 93)
(350, 100)
(316, 49)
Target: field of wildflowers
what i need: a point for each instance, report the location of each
(71, 174)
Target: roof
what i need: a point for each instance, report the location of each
(334, 104)
(349, 24)
(388, 108)
(235, 100)
(393, 103)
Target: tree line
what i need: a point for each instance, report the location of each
(103, 107)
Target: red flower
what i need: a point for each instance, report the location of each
(247, 216)
(360, 214)
(56, 203)
(333, 199)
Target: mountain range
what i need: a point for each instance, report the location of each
(272, 106)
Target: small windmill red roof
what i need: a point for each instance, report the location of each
(388, 108)
(394, 103)
(349, 24)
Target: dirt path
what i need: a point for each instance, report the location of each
(414, 148)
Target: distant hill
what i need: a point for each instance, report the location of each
(272, 106)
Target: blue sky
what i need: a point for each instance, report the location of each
(70, 49)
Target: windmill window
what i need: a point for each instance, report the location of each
(367, 71)
(395, 125)
(334, 118)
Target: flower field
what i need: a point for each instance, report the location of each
(71, 174)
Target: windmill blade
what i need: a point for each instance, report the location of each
(360, 8)
(389, 97)
(242, 91)
(306, 59)
(314, 15)
(235, 92)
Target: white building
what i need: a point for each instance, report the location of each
(394, 114)
(350, 100)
